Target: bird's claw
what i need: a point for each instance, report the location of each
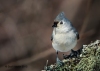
(59, 62)
(73, 54)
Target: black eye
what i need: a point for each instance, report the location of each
(61, 22)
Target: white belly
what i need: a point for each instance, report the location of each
(63, 42)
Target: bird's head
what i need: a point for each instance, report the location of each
(61, 22)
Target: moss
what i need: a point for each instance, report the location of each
(89, 60)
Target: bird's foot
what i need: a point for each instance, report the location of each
(76, 53)
(66, 56)
(59, 62)
(73, 54)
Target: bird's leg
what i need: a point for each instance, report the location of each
(73, 53)
(66, 56)
(57, 59)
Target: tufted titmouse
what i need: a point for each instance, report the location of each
(64, 36)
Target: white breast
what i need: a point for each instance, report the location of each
(64, 42)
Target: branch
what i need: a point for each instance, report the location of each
(88, 60)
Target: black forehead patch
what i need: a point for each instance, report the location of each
(56, 22)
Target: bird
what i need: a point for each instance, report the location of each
(64, 36)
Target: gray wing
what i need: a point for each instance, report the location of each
(51, 37)
(75, 31)
(77, 35)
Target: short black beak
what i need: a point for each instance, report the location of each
(55, 24)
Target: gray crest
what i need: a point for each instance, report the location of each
(61, 16)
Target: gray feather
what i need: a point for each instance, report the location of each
(60, 17)
(51, 37)
(77, 34)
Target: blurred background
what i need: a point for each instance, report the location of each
(25, 30)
